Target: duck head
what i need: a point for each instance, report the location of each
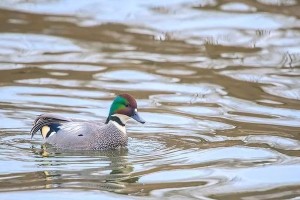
(122, 109)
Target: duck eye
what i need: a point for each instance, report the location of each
(127, 105)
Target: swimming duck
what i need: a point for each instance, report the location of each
(66, 133)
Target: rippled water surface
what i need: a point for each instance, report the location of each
(218, 83)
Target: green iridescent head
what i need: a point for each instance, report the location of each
(124, 104)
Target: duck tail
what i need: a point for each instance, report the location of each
(46, 120)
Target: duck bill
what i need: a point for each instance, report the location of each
(137, 117)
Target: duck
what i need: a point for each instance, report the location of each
(77, 134)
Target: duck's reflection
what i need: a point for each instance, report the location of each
(101, 170)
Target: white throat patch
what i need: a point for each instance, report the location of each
(121, 128)
(124, 119)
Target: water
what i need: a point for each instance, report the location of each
(217, 82)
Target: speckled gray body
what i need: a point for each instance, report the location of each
(88, 136)
(76, 134)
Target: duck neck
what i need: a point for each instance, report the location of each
(119, 121)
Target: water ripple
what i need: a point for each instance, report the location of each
(216, 81)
